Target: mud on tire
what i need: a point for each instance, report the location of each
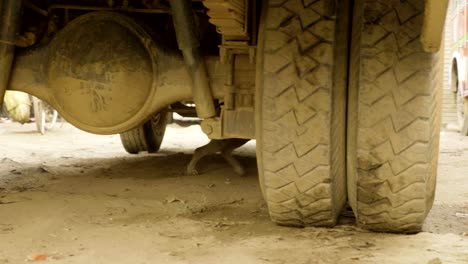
(393, 120)
(301, 101)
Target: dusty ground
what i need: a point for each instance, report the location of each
(72, 197)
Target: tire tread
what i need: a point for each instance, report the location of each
(396, 126)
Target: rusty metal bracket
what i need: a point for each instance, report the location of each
(230, 48)
(237, 119)
(238, 123)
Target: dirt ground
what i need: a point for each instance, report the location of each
(73, 197)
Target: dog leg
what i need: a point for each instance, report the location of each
(225, 147)
(212, 147)
(226, 152)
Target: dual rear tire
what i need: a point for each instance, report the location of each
(338, 124)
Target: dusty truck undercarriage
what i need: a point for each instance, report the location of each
(341, 96)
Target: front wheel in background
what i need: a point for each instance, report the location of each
(301, 110)
(147, 137)
(393, 117)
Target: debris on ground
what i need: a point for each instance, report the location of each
(461, 215)
(173, 200)
(434, 261)
(147, 207)
(37, 257)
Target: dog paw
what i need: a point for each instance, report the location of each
(192, 172)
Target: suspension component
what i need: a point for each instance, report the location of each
(10, 19)
(184, 24)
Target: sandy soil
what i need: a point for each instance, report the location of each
(73, 197)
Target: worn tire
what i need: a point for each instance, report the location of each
(301, 106)
(147, 137)
(393, 117)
